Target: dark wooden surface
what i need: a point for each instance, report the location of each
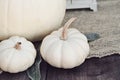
(107, 68)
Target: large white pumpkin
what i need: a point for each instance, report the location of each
(32, 19)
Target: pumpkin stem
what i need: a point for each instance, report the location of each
(17, 46)
(66, 26)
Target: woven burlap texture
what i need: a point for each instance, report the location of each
(105, 22)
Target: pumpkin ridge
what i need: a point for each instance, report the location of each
(48, 47)
(4, 42)
(8, 65)
(3, 53)
(78, 36)
(61, 61)
(68, 44)
(11, 61)
(72, 38)
(6, 17)
(29, 52)
(77, 43)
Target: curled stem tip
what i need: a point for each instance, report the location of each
(66, 26)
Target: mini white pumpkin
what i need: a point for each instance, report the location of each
(1, 71)
(65, 48)
(16, 54)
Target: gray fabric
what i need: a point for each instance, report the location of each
(105, 22)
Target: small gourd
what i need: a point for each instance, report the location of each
(1, 71)
(65, 48)
(16, 54)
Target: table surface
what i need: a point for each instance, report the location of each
(107, 68)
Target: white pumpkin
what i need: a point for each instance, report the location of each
(1, 71)
(32, 19)
(16, 54)
(65, 48)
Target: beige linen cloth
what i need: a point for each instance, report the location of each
(105, 22)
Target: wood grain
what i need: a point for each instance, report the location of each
(106, 68)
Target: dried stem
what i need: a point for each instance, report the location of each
(17, 46)
(66, 26)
